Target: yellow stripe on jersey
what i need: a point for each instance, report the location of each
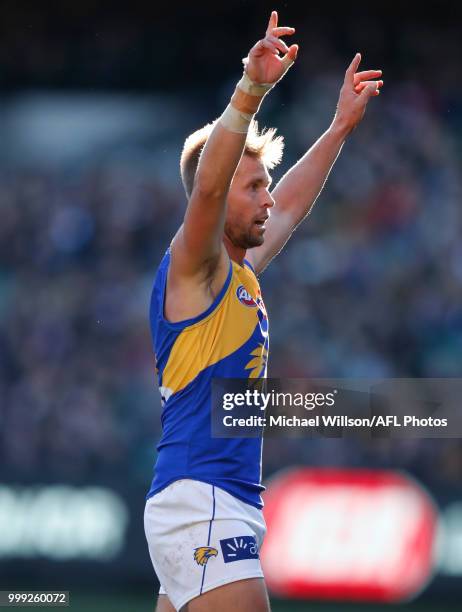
(220, 334)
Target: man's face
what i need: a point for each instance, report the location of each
(249, 202)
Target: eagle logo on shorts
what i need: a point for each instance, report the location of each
(203, 553)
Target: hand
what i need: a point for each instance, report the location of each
(264, 64)
(356, 91)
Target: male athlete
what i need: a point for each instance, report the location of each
(203, 518)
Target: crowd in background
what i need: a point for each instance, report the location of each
(370, 285)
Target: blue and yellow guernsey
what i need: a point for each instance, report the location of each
(228, 340)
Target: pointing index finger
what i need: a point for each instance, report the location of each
(273, 22)
(350, 73)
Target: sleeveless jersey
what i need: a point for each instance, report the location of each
(228, 340)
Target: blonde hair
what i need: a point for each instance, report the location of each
(265, 145)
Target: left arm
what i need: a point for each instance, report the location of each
(297, 191)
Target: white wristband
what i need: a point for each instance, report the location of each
(254, 89)
(238, 121)
(235, 121)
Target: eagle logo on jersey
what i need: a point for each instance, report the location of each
(257, 365)
(203, 553)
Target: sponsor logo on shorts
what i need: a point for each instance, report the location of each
(244, 297)
(203, 553)
(239, 548)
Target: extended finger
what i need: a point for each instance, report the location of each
(366, 75)
(280, 44)
(360, 86)
(290, 57)
(351, 70)
(369, 91)
(282, 31)
(273, 22)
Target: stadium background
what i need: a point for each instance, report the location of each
(96, 102)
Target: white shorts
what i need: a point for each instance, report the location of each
(201, 537)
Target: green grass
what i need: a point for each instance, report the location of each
(126, 602)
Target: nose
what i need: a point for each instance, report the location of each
(268, 201)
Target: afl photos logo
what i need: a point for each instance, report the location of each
(244, 297)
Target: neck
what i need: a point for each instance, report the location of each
(235, 253)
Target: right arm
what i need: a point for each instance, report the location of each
(197, 249)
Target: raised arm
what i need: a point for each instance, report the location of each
(198, 246)
(299, 188)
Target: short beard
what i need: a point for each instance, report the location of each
(243, 240)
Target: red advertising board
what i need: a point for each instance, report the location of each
(348, 534)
